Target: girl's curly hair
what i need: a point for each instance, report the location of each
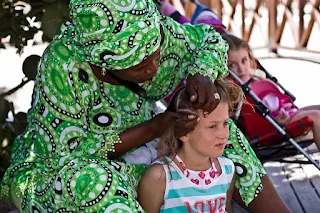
(229, 93)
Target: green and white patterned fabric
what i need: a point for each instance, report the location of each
(59, 163)
(114, 34)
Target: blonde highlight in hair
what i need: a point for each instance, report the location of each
(229, 93)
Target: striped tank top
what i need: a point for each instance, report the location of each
(182, 195)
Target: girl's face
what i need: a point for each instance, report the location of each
(210, 136)
(239, 62)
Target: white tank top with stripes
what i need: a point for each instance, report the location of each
(182, 195)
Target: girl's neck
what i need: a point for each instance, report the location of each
(194, 161)
(245, 79)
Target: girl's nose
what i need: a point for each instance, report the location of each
(241, 69)
(224, 133)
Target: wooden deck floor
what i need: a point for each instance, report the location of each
(297, 184)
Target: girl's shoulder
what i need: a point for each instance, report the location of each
(259, 74)
(155, 174)
(225, 160)
(227, 164)
(163, 160)
(227, 167)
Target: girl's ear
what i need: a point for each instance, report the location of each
(185, 138)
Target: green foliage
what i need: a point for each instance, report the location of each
(21, 20)
(9, 130)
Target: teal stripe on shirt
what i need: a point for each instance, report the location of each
(174, 175)
(228, 169)
(176, 193)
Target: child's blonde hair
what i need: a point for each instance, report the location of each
(229, 93)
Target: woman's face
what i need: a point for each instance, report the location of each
(239, 62)
(210, 136)
(142, 72)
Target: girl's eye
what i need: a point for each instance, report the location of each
(244, 60)
(225, 124)
(231, 66)
(213, 126)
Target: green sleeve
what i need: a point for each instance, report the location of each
(205, 51)
(65, 95)
(209, 55)
(249, 169)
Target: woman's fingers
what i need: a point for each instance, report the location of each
(183, 127)
(213, 99)
(202, 91)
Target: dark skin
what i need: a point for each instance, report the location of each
(199, 88)
(267, 201)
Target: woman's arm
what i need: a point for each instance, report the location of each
(152, 188)
(142, 133)
(154, 128)
(229, 194)
(66, 106)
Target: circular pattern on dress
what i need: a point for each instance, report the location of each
(90, 183)
(240, 169)
(102, 119)
(117, 205)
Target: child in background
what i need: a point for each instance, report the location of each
(190, 174)
(241, 60)
(207, 16)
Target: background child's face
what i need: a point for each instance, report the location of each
(211, 133)
(239, 62)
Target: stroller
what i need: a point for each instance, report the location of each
(270, 141)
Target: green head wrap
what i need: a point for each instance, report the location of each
(114, 34)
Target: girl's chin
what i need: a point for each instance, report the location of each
(245, 78)
(216, 154)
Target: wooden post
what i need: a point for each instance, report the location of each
(216, 5)
(190, 7)
(243, 19)
(254, 19)
(272, 25)
(301, 4)
(205, 2)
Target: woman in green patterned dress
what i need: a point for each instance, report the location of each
(93, 101)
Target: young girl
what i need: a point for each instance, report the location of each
(241, 61)
(191, 175)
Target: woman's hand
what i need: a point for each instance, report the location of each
(154, 128)
(183, 123)
(201, 91)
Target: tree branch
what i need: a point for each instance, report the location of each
(13, 90)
